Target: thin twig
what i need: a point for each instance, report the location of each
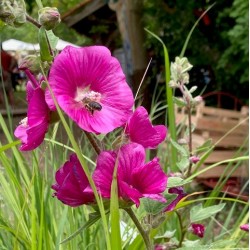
(93, 142)
(143, 78)
(33, 21)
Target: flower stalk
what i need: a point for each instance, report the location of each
(144, 234)
(33, 21)
(93, 142)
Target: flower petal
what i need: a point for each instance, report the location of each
(38, 109)
(129, 193)
(131, 156)
(140, 129)
(34, 136)
(149, 178)
(103, 173)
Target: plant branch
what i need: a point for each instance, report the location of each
(33, 21)
(93, 142)
(143, 233)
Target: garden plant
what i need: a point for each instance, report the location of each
(120, 182)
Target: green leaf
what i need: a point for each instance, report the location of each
(155, 207)
(170, 103)
(45, 50)
(179, 102)
(9, 145)
(167, 234)
(204, 147)
(176, 182)
(198, 213)
(192, 30)
(53, 40)
(180, 148)
(183, 163)
(114, 215)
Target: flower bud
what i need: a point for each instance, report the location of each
(49, 17)
(245, 227)
(20, 15)
(13, 12)
(30, 62)
(197, 229)
(33, 63)
(179, 70)
(194, 159)
(6, 12)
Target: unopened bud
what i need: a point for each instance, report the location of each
(49, 17)
(30, 62)
(13, 12)
(194, 159)
(20, 15)
(245, 227)
(6, 12)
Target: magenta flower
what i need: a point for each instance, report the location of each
(91, 88)
(33, 128)
(136, 179)
(197, 229)
(140, 130)
(72, 186)
(180, 194)
(245, 227)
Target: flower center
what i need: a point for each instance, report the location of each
(24, 122)
(90, 99)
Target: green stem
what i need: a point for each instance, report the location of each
(143, 233)
(183, 231)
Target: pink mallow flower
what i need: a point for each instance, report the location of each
(197, 229)
(90, 86)
(135, 178)
(140, 130)
(245, 227)
(72, 186)
(33, 128)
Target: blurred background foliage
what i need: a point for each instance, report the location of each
(220, 43)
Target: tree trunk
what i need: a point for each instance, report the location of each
(129, 13)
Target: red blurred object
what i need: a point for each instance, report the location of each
(205, 19)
